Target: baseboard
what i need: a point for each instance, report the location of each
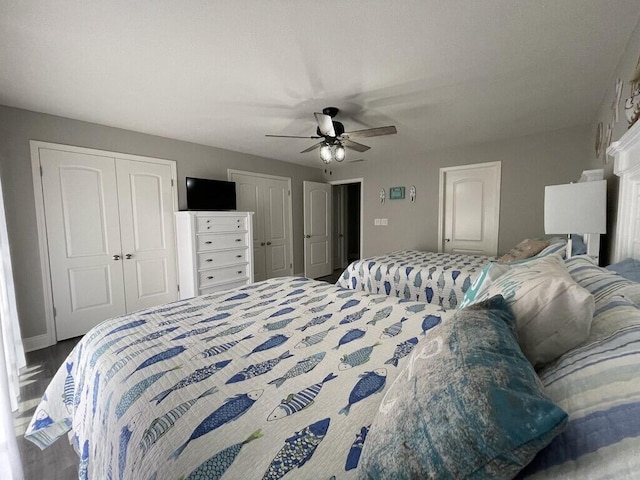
(36, 343)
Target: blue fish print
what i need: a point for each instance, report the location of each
(291, 300)
(69, 387)
(218, 349)
(96, 387)
(417, 282)
(378, 275)
(193, 309)
(431, 270)
(369, 384)
(229, 411)
(455, 274)
(126, 326)
(319, 308)
(178, 319)
(354, 359)
(228, 306)
(166, 309)
(297, 450)
(354, 317)
(466, 284)
(402, 350)
(346, 294)
(381, 315)
(273, 342)
(345, 274)
(239, 296)
(407, 291)
(429, 293)
(300, 368)
(83, 468)
(135, 392)
(393, 330)
(258, 369)
(453, 299)
(215, 467)
(350, 336)
(370, 265)
(283, 311)
(215, 318)
(408, 271)
(100, 351)
(159, 357)
(315, 321)
(349, 304)
(387, 287)
(42, 420)
(117, 366)
(125, 437)
(441, 282)
(429, 322)
(356, 449)
(146, 338)
(276, 325)
(314, 300)
(296, 402)
(354, 282)
(315, 338)
(229, 331)
(297, 291)
(198, 376)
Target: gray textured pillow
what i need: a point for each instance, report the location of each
(468, 404)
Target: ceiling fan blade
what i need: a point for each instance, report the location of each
(358, 147)
(326, 124)
(292, 136)
(372, 132)
(312, 147)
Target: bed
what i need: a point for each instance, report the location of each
(436, 278)
(289, 377)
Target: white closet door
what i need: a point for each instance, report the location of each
(147, 232)
(277, 228)
(249, 198)
(83, 235)
(317, 229)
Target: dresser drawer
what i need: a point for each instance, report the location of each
(222, 275)
(224, 240)
(221, 258)
(221, 224)
(223, 286)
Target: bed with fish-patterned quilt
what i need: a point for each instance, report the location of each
(281, 377)
(437, 278)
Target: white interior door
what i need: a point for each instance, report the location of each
(317, 229)
(277, 229)
(83, 236)
(147, 232)
(470, 209)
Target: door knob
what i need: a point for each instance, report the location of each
(128, 256)
(307, 236)
(447, 239)
(262, 244)
(268, 243)
(116, 257)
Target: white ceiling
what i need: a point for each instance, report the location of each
(224, 73)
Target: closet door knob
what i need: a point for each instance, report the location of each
(262, 244)
(268, 243)
(128, 256)
(307, 236)
(116, 257)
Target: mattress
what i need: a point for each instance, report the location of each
(436, 278)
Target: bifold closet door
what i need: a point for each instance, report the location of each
(146, 226)
(83, 232)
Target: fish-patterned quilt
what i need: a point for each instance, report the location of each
(435, 278)
(280, 378)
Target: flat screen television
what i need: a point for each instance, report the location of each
(206, 194)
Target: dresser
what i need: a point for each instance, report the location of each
(214, 251)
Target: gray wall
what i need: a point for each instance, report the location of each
(624, 71)
(528, 164)
(17, 127)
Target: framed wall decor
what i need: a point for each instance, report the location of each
(396, 193)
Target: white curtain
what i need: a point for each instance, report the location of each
(11, 358)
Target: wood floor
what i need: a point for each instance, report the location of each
(59, 461)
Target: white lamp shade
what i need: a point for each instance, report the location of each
(576, 208)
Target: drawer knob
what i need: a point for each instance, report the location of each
(238, 239)
(238, 256)
(208, 228)
(208, 242)
(209, 278)
(238, 226)
(209, 260)
(239, 272)
(208, 221)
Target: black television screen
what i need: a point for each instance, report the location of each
(205, 194)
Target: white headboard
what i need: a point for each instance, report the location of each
(626, 152)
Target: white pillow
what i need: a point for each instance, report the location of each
(553, 313)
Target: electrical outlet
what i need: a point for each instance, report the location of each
(384, 222)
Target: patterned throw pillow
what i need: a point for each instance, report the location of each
(525, 249)
(553, 313)
(468, 404)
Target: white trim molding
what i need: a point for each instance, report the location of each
(626, 154)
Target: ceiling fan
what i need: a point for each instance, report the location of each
(335, 139)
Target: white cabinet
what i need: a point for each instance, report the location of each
(214, 251)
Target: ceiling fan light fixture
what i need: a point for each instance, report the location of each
(325, 153)
(339, 153)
